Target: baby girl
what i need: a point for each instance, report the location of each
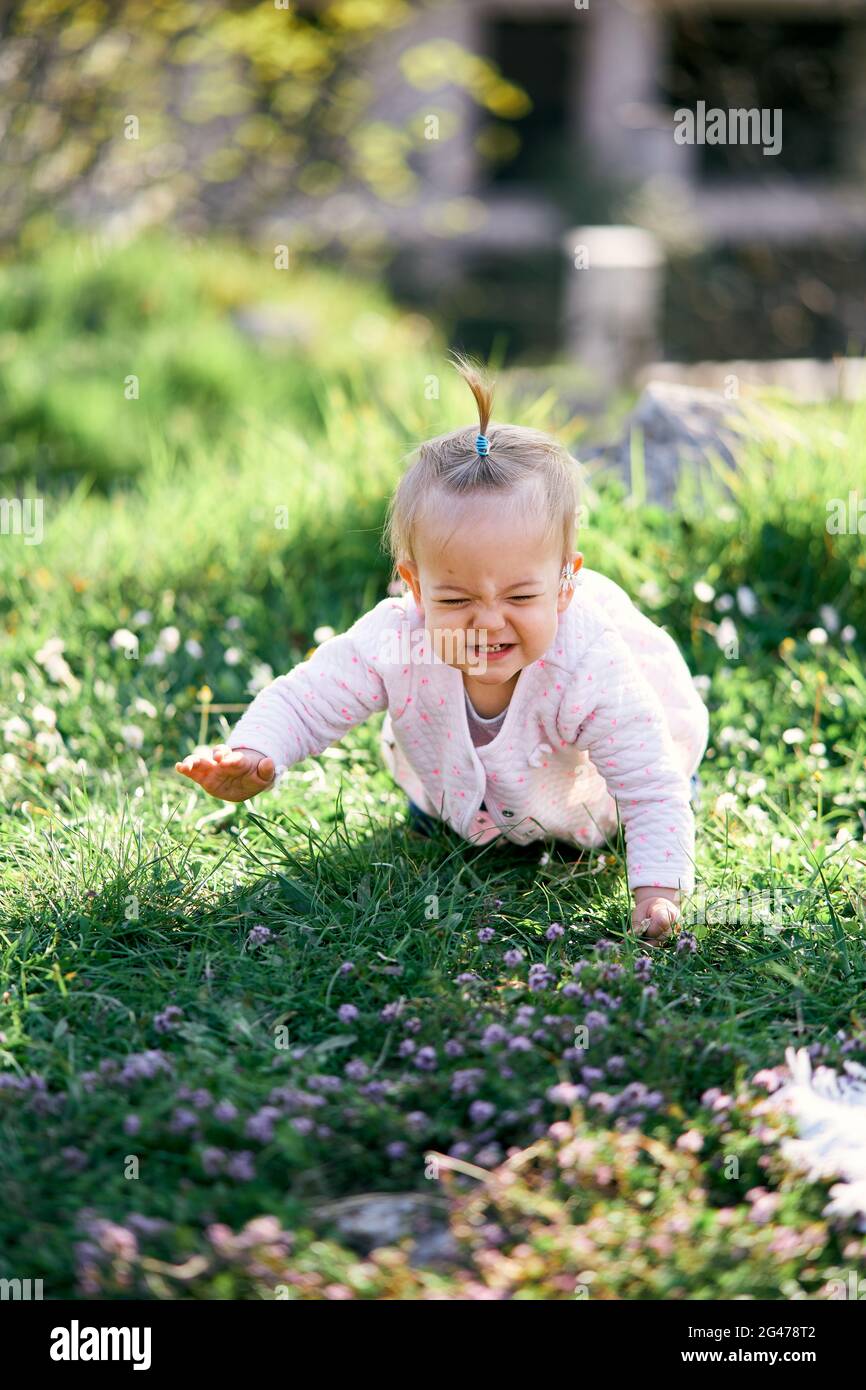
(525, 696)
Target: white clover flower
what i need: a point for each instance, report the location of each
(144, 707)
(650, 592)
(817, 636)
(262, 675)
(233, 656)
(132, 735)
(829, 617)
(793, 736)
(726, 634)
(156, 657)
(193, 648)
(779, 844)
(848, 633)
(16, 728)
(726, 802)
(704, 592)
(756, 814)
(142, 617)
(755, 788)
(817, 749)
(724, 603)
(747, 600)
(169, 639)
(41, 714)
(50, 657)
(125, 641)
(322, 634)
(233, 624)
(9, 763)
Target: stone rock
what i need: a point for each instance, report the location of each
(374, 1219)
(681, 427)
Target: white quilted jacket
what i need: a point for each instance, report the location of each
(608, 717)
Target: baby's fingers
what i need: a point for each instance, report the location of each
(196, 766)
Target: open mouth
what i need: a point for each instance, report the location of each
(497, 649)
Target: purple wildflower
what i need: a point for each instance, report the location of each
(241, 1166)
(480, 1111)
(166, 1022)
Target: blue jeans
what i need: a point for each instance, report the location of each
(426, 825)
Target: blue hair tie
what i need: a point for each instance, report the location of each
(482, 445)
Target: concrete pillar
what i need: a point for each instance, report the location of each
(612, 301)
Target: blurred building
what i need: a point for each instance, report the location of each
(761, 249)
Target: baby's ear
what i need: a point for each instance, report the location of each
(408, 572)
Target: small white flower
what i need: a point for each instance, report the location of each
(124, 641)
(755, 788)
(322, 634)
(41, 714)
(780, 843)
(702, 685)
(233, 656)
(9, 763)
(650, 591)
(747, 600)
(844, 836)
(817, 636)
(155, 658)
(233, 624)
(15, 728)
(262, 675)
(132, 735)
(704, 592)
(829, 617)
(724, 603)
(848, 633)
(145, 707)
(793, 736)
(817, 749)
(726, 802)
(169, 639)
(726, 635)
(142, 617)
(193, 648)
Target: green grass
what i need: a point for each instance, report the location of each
(125, 892)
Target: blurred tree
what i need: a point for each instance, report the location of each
(209, 111)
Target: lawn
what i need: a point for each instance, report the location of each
(216, 1020)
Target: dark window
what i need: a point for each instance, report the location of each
(763, 63)
(535, 56)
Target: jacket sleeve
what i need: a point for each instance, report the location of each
(609, 709)
(319, 700)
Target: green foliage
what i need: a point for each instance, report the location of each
(130, 985)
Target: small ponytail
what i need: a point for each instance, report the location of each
(479, 384)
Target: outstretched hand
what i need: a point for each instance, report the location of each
(232, 774)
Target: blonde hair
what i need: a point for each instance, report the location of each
(528, 469)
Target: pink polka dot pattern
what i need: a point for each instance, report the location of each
(604, 728)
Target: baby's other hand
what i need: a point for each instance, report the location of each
(653, 919)
(232, 774)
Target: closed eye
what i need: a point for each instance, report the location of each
(518, 598)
